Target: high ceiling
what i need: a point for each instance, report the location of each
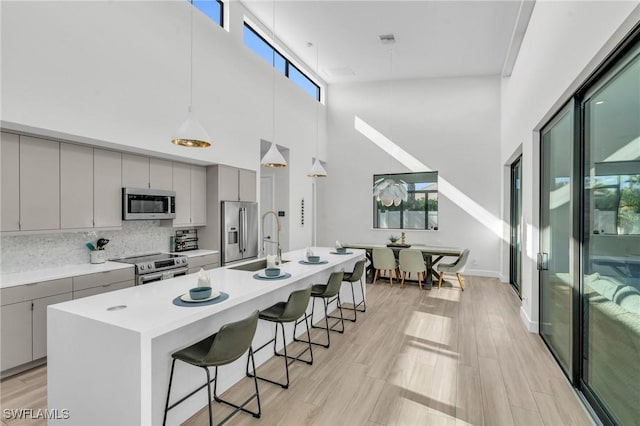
(433, 38)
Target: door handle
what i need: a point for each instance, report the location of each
(241, 232)
(543, 262)
(245, 235)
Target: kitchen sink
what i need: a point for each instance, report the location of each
(254, 266)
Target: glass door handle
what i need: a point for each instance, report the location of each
(543, 262)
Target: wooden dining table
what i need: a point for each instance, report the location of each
(432, 255)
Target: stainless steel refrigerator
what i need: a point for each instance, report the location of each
(239, 231)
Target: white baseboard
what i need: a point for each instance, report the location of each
(503, 278)
(482, 273)
(532, 326)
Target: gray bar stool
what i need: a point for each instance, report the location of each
(329, 293)
(352, 277)
(221, 348)
(282, 312)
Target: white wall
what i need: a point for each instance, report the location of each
(564, 43)
(116, 73)
(451, 125)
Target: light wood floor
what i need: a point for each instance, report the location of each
(439, 357)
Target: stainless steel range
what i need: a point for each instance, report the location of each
(157, 266)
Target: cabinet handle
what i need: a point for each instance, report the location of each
(30, 284)
(107, 285)
(32, 306)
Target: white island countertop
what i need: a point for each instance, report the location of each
(117, 362)
(149, 308)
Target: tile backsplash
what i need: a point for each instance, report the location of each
(19, 253)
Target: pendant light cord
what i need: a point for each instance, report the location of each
(273, 75)
(191, 59)
(391, 93)
(317, 106)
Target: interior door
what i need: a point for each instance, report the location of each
(555, 257)
(515, 270)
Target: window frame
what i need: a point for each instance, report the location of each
(220, 3)
(287, 62)
(401, 207)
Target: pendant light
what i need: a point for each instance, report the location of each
(191, 133)
(316, 169)
(273, 158)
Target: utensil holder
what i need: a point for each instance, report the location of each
(98, 256)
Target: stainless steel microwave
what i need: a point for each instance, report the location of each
(139, 204)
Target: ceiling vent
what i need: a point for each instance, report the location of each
(387, 38)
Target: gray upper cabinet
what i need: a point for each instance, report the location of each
(182, 187)
(107, 188)
(190, 185)
(10, 169)
(228, 183)
(160, 174)
(144, 172)
(246, 185)
(76, 186)
(198, 195)
(236, 184)
(135, 171)
(39, 184)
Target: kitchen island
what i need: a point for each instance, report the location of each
(109, 356)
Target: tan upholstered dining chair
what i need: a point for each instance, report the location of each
(456, 267)
(411, 260)
(384, 260)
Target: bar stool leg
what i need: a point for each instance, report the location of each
(166, 407)
(209, 393)
(241, 406)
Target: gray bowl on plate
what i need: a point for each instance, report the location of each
(272, 272)
(199, 293)
(341, 249)
(313, 259)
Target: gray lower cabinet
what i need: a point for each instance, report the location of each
(39, 319)
(24, 319)
(207, 261)
(16, 335)
(101, 289)
(102, 282)
(23, 314)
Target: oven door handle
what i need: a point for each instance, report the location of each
(158, 276)
(149, 278)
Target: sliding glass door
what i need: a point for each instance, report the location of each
(589, 258)
(611, 241)
(555, 259)
(515, 261)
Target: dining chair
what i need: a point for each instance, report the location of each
(456, 267)
(384, 260)
(411, 260)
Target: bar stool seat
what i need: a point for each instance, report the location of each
(281, 312)
(221, 348)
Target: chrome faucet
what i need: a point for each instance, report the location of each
(278, 250)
